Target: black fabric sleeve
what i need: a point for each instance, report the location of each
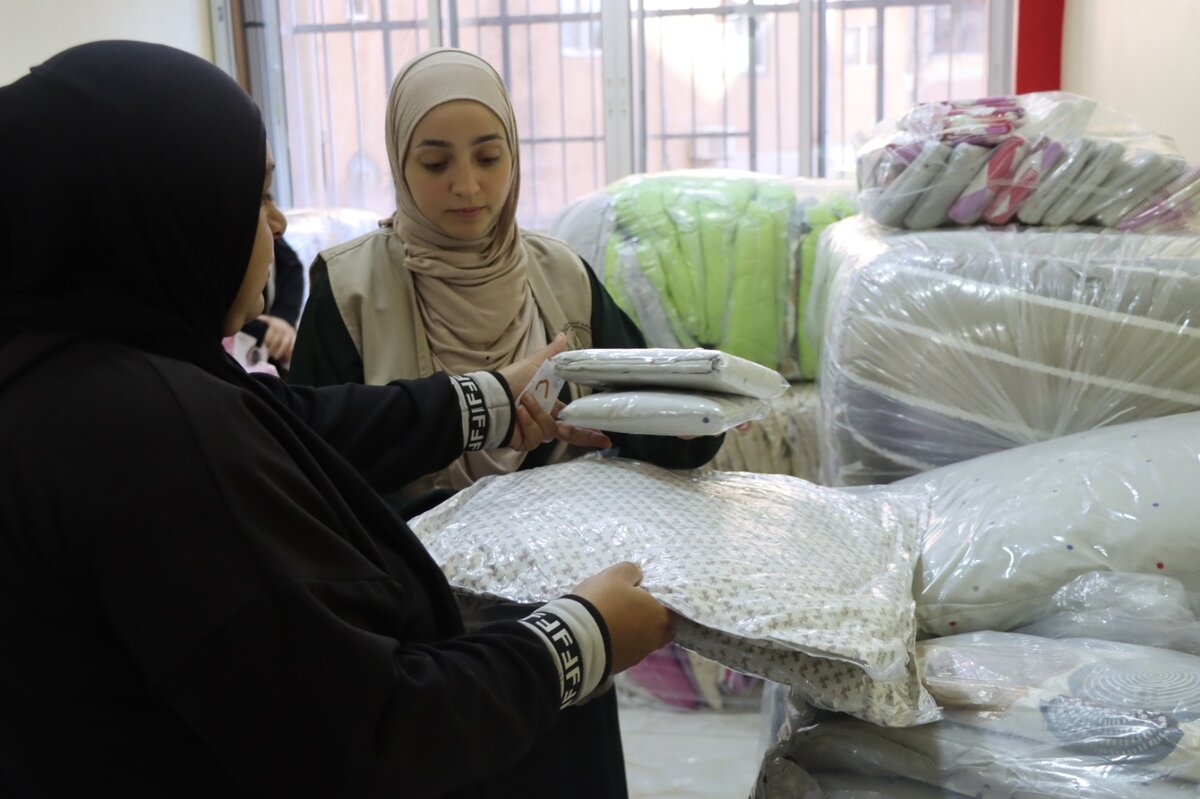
(391, 434)
(289, 284)
(256, 328)
(613, 329)
(324, 354)
(307, 664)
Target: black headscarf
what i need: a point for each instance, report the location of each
(130, 180)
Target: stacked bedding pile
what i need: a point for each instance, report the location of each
(1024, 716)
(1039, 159)
(1085, 546)
(711, 258)
(666, 392)
(944, 345)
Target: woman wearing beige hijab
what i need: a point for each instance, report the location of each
(451, 283)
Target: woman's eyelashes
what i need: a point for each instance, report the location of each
(440, 166)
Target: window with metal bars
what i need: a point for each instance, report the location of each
(789, 88)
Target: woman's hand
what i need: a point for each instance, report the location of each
(279, 339)
(637, 622)
(532, 425)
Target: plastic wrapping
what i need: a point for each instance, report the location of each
(698, 369)
(1026, 717)
(710, 258)
(1009, 530)
(771, 575)
(782, 442)
(939, 346)
(1134, 608)
(1047, 158)
(663, 413)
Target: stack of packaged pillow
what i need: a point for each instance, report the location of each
(668, 392)
(1046, 158)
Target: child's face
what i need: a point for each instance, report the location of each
(458, 168)
(248, 303)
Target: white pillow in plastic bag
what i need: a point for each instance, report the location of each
(1027, 716)
(773, 576)
(698, 369)
(663, 413)
(1010, 529)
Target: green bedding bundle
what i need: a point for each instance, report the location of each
(721, 253)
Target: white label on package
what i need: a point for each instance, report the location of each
(544, 386)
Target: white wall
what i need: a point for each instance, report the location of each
(33, 30)
(1139, 57)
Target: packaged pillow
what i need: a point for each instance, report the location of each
(771, 575)
(698, 369)
(1009, 529)
(663, 413)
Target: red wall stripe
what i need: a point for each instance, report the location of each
(1039, 45)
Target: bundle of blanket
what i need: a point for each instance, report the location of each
(770, 575)
(1023, 717)
(711, 258)
(1037, 159)
(943, 345)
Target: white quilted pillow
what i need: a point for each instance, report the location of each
(774, 576)
(663, 413)
(1009, 529)
(697, 369)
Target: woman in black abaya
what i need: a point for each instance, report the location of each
(201, 593)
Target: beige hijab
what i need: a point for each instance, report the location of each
(473, 295)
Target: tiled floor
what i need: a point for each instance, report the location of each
(672, 754)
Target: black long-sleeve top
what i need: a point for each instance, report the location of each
(188, 607)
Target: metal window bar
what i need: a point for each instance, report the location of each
(534, 142)
(444, 21)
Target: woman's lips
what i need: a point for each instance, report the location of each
(467, 213)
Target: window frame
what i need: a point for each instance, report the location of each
(624, 138)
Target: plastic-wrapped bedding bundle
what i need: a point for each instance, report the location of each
(985, 161)
(663, 413)
(1009, 531)
(709, 258)
(700, 369)
(1135, 608)
(939, 346)
(667, 392)
(1024, 717)
(772, 576)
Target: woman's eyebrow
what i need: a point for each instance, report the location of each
(475, 143)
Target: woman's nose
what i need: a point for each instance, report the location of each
(464, 182)
(275, 219)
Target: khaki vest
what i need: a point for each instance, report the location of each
(374, 293)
